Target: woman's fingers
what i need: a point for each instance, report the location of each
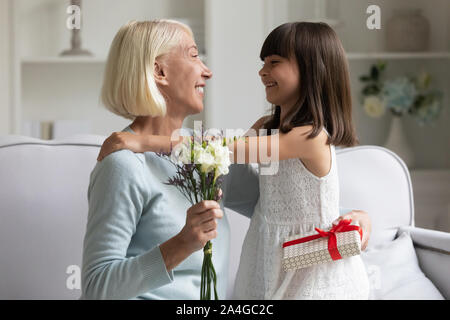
(201, 224)
(203, 206)
(209, 225)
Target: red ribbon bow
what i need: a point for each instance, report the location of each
(343, 226)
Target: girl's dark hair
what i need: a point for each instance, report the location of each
(325, 97)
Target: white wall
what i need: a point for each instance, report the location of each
(5, 87)
(235, 32)
(44, 33)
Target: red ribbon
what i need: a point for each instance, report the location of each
(343, 226)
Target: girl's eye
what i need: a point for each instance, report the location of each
(274, 61)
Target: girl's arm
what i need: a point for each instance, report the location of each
(263, 149)
(259, 149)
(136, 143)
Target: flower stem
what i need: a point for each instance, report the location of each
(208, 274)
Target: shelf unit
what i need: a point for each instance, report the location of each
(52, 60)
(398, 55)
(350, 55)
(45, 85)
(365, 47)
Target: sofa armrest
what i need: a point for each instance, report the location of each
(433, 252)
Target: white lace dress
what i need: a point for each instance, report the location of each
(295, 201)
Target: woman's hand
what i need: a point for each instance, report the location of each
(121, 140)
(201, 225)
(362, 218)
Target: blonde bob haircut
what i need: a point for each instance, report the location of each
(129, 88)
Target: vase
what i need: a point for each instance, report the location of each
(398, 143)
(407, 30)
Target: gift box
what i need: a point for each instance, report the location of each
(341, 241)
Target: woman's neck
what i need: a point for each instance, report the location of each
(160, 126)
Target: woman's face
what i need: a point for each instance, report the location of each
(185, 76)
(281, 78)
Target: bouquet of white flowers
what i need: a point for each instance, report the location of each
(200, 165)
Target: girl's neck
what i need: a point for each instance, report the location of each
(284, 111)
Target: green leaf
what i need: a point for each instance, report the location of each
(371, 90)
(374, 73)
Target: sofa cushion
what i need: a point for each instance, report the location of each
(394, 272)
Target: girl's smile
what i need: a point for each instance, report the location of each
(281, 79)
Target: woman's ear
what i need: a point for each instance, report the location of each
(160, 74)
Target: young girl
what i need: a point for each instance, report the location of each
(306, 76)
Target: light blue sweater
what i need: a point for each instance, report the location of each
(132, 212)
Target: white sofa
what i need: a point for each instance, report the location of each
(43, 209)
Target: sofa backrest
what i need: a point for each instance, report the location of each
(43, 208)
(377, 181)
(43, 212)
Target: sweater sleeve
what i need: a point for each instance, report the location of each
(117, 195)
(241, 192)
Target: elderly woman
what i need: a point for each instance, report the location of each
(143, 239)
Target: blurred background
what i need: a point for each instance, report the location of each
(400, 73)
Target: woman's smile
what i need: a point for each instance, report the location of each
(200, 90)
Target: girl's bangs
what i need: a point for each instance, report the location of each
(278, 42)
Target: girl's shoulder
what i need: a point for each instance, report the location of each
(260, 123)
(307, 147)
(305, 130)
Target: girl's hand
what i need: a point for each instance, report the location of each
(362, 218)
(118, 141)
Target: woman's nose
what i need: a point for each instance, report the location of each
(206, 72)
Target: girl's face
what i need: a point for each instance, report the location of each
(281, 78)
(184, 76)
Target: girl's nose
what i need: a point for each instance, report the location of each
(262, 72)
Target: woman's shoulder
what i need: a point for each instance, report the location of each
(123, 159)
(120, 166)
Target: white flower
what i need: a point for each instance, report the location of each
(181, 153)
(221, 156)
(374, 106)
(204, 158)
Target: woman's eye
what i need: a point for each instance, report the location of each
(274, 61)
